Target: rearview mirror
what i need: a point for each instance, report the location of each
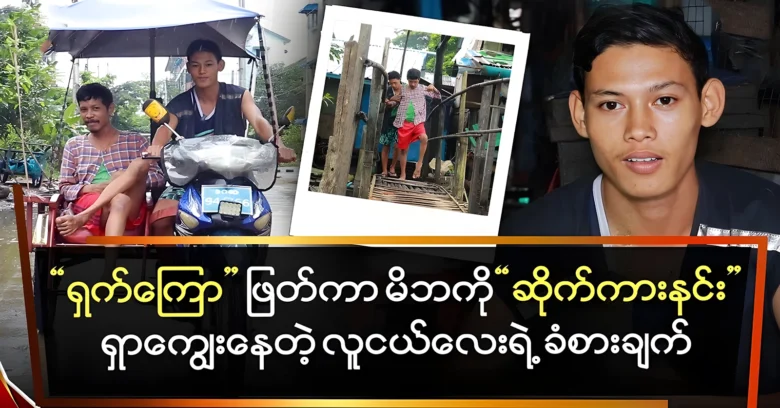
(288, 117)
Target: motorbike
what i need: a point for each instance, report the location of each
(12, 163)
(223, 177)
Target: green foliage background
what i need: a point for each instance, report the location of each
(428, 42)
(41, 99)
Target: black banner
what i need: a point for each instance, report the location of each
(480, 333)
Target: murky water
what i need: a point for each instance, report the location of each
(14, 344)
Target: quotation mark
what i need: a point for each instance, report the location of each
(502, 271)
(57, 271)
(231, 270)
(735, 269)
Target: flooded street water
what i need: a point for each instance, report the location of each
(14, 349)
(14, 343)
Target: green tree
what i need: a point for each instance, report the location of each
(417, 40)
(428, 42)
(174, 88)
(87, 77)
(336, 51)
(129, 97)
(22, 65)
(289, 89)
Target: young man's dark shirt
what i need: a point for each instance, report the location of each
(731, 202)
(226, 119)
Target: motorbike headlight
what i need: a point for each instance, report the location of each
(262, 222)
(188, 220)
(229, 209)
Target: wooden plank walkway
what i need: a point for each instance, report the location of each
(410, 192)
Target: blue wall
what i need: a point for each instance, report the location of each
(363, 108)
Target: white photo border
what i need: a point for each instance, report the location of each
(321, 214)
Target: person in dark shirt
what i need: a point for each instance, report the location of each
(642, 95)
(389, 136)
(210, 107)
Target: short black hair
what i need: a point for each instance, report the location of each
(413, 74)
(393, 75)
(95, 91)
(638, 24)
(205, 46)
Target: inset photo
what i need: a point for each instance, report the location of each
(415, 120)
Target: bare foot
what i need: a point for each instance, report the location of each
(403, 175)
(68, 224)
(417, 171)
(384, 173)
(392, 174)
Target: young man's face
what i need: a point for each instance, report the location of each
(413, 83)
(95, 114)
(204, 68)
(395, 84)
(642, 114)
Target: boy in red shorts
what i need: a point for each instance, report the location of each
(410, 119)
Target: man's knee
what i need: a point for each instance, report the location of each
(139, 167)
(162, 226)
(164, 216)
(121, 203)
(163, 221)
(423, 139)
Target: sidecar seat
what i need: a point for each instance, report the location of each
(42, 230)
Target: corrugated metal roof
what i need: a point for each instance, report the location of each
(492, 58)
(413, 59)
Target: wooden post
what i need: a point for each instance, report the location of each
(480, 153)
(376, 113)
(462, 147)
(441, 117)
(403, 56)
(439, 145)
(314, 23)
(487, 175)
(340, 145)
(434, 149)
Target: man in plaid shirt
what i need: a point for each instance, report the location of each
(90, 162)
(410, 118)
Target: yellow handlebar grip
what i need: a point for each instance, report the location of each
(156, 111)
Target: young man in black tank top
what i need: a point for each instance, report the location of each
(211, 107)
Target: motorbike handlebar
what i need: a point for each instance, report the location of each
(147, 156)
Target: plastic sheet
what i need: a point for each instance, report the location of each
(229, 156)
